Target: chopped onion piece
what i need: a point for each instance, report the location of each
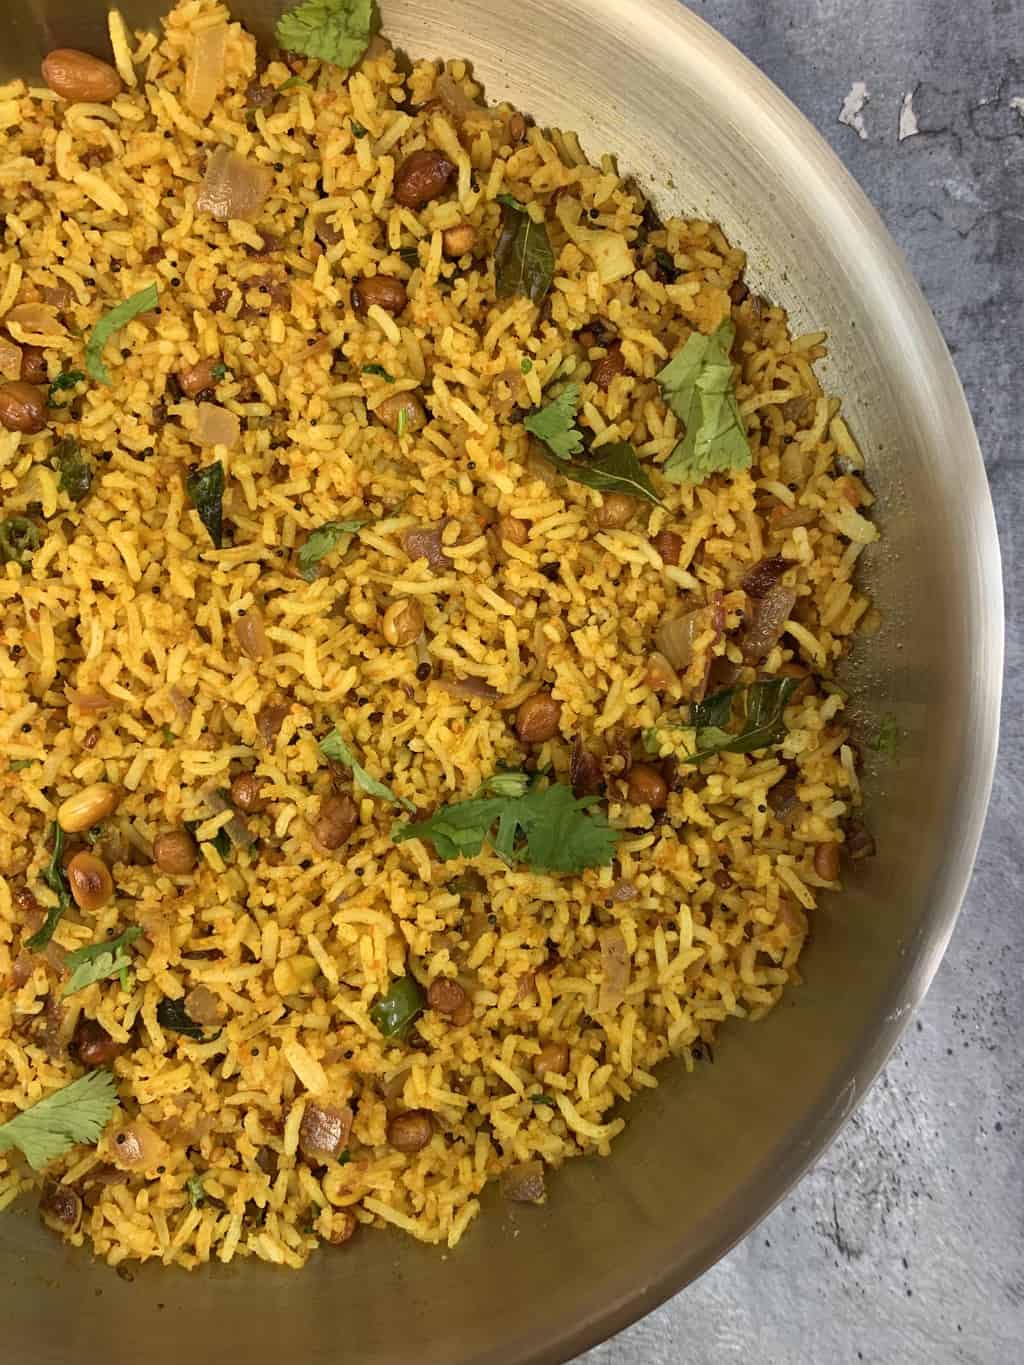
(216, 426)
(675, 638)
(469, 688)
(202, 1006)
(232, 186)
(615, 969)
(34, 319)
(524, 1183)
(767, 622)
(205, 72)
(88, 701)
(252, 639)
(138, 1146)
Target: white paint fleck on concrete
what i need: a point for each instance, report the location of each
(852, 112)
(908, 118)
(1017, 103)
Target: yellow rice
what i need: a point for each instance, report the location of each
(126, 597)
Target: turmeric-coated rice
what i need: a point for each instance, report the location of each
(317, 1020)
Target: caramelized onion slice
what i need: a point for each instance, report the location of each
(233, 187)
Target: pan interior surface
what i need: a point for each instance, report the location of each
(703, 1157)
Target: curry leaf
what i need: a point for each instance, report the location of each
(524, 262)
(206, 489)
(58, 883)
(334, 747)
(142, 302)
(336, 31)
(75, 473)
(758, 720)
(173, 1016)
(611, 468)
(293, 83)
(322, 541)
(379, 371)
(697, 385)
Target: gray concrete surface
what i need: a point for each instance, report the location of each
(905, 1245)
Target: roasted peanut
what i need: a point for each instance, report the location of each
(445, 995)
(422, 176)
(616, 511)
(337, 819)
(246, 793)
(390, 413)
(552, 1057)
(412, 1131)
(175, 852)
(93, 1045)
(22, 407)
(382, 290)
(87, 807)
(537, 718)
(609, 367)
(80, 77)
(669, 545)
(513, 530)
(647, 787)
(403, 622)
(456, 241)
(195, 378)
(91, 883)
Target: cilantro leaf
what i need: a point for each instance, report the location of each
(550, 830)
(524, 262)
(697, 385)
(611, 468)
(219, 371)
(57, 882)
(293, 83)
(99, 961)
(196, 1193)
(358, 131)
(322, 541)
(555, 424)
(336, 31)
(17, 764)
(542, 1099)
(77, 1113)
(67, 379)
(205, 488)
(142, 302)
(333, 746)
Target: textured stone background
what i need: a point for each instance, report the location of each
(905, 1245)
